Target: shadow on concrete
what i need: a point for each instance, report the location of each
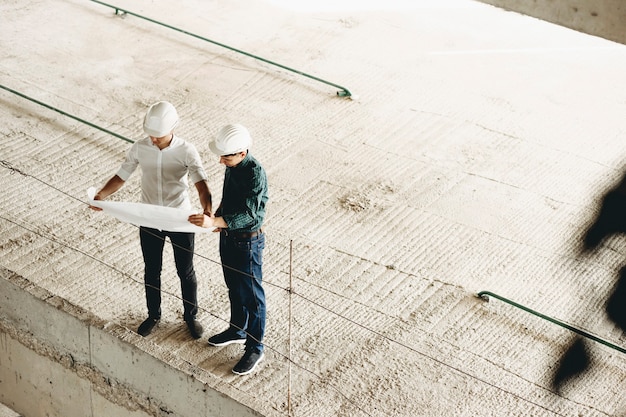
(610, 220)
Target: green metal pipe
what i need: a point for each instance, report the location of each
(65, 114)
(343, 93)
(486, 294)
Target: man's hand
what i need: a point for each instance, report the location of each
(112, 185)
(96, 197)
(201, 220)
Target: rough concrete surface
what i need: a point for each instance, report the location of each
(605, 18)
(472, 160)
(7, 412)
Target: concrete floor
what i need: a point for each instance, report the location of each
(472, 160)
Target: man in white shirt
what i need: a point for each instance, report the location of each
(167, 164)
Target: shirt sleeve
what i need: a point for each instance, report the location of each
(194, 164)
(253, 203)
(130, 164)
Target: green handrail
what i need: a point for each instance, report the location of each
(486, 294)
(65, 114)
(343, 93)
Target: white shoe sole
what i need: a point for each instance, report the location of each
(251, 369)
(230, 342)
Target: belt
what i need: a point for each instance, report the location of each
(241, 235)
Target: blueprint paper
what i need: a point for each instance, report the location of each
(148, 215)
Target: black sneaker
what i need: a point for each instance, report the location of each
(146, 327)
(248, 362)
(226, 338)
(195, 328)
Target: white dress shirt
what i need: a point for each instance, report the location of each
(165, 173)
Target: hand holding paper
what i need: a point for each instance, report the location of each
(148, 215)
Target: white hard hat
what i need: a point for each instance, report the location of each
(231, 139)
(160, 120)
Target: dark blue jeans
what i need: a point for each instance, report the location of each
(242, 263)
(152, 242)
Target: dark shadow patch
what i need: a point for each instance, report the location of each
(574, 361)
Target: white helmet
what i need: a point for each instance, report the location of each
(160, 120)
(231, 139)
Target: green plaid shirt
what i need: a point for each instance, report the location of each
(244, 196)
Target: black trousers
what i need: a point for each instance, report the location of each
(152, 243)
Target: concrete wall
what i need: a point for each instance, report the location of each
(603, 18)
(57, 360)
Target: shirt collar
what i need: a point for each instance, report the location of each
(244, 162)
(176, 141)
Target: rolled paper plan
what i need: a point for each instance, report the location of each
(149, 215)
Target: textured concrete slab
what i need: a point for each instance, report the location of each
(472, 160)
(7, 412)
